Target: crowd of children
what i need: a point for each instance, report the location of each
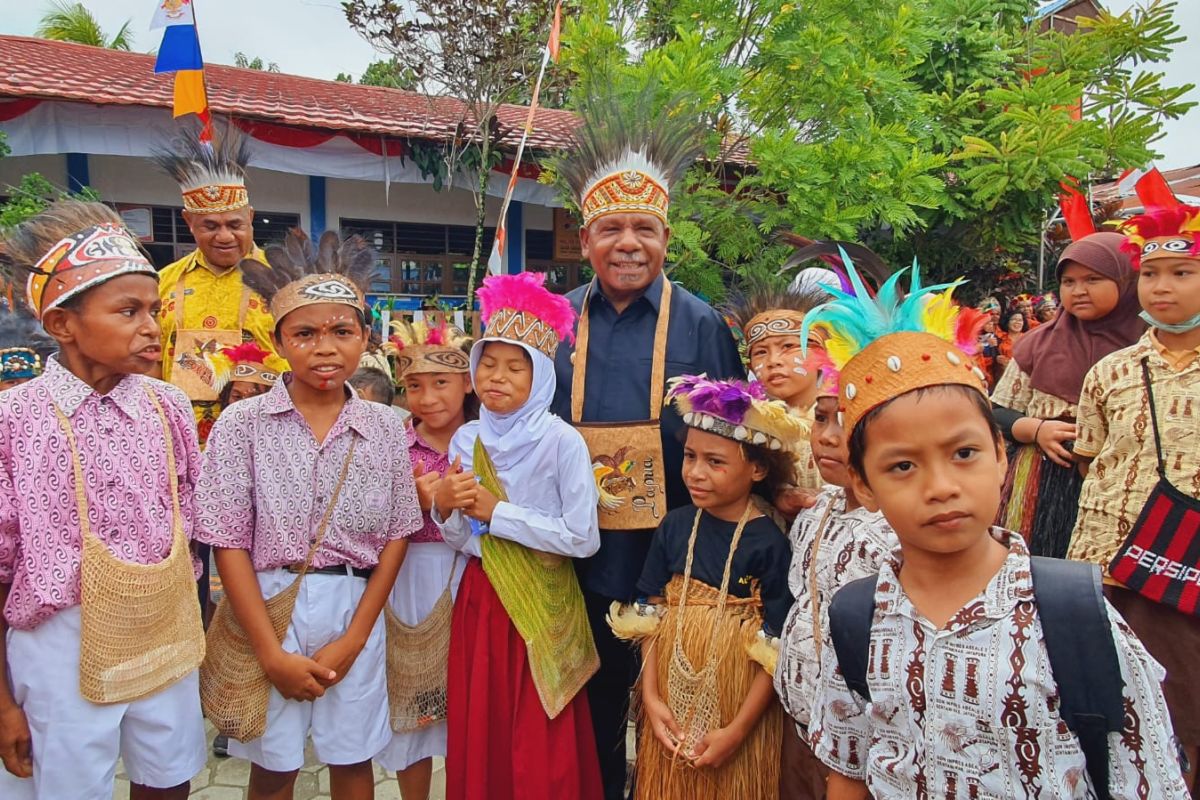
(854, 603)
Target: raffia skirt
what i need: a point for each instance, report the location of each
(752, 772)
(501, 744)
(1040, 501)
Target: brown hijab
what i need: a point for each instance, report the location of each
(1058, 354)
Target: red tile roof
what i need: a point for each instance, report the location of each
(66, 71)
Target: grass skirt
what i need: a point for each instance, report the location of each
(752, 772)
(1040, 501)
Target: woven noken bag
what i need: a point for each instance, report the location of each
(417, 658)
(140, 627)
(692, 693)
(234, 689)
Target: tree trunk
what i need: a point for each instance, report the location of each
(480, 217)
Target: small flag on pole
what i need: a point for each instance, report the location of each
(180, 53)
(496, 259)
(1150, 186)
(555, 33)
(1076, 211)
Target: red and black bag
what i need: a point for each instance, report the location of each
(1160, 559)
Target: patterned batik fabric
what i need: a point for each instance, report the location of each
(124, 463)
(211, 302)
(853, 545)
(1115, 431)
(1015, 391)
(970, 711)
(431, 460)
(266, 483)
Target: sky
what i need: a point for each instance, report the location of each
(311, 37)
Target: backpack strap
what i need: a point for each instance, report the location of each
(1083, 657)
(851, 613)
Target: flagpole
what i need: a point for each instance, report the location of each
(502, 223)
(203, 79)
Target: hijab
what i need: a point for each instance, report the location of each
(1058, 354)
(510, 438)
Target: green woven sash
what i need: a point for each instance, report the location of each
(542, 597)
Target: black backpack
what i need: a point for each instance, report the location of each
(1079, 642)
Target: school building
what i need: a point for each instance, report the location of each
(325, 155)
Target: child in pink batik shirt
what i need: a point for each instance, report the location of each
(101, 633)
(276, 465)
(435, 373)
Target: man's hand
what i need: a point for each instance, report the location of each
(793, 500)
(338, 657)
(298, 677)
(15, 743)
(427, 484)
(456, 490)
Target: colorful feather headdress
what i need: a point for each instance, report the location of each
(626, 156)
(247, 362)
(1163, 233)
(521, 309)
(763, 309)
(211, 176)
(736, 410)
(21, 342)
(890, 345)
(336, 272)
(419, 347)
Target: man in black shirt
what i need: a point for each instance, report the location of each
(622, 176)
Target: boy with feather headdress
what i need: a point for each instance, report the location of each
(307, 488)
(206, 305)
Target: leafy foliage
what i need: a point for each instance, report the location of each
(73, 22)
(31, 196)
(484, 52)
(935, 127)
(386, 73)
(244, 61)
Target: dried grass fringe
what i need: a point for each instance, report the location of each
(752, 772)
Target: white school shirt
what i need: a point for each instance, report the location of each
(552, 497)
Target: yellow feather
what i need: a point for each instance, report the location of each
(940, 314)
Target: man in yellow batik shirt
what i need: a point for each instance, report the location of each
(205, 306)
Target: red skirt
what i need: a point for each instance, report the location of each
(501, 745)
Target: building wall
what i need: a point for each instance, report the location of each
(123, 179)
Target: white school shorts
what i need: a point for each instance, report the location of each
(76, 743)
(349, 723)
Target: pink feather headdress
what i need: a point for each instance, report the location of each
(520, 308)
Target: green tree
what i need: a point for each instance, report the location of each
(242, 60)
(31, 196)
(485, 53)
(940, 127)
(73, 22)
(386, 73)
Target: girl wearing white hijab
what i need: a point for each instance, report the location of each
(520, 501)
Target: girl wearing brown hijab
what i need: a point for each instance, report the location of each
(1036, 397)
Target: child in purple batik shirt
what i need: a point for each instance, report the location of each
(434, 372)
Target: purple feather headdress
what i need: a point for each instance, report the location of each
(736, 410)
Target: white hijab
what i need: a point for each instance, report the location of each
(509, 438)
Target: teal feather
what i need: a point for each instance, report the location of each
(856, 320)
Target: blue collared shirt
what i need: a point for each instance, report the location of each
(620, 351)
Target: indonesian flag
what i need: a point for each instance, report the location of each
(1150, 186)
(555, 33)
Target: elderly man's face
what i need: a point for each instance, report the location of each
(224, 238)
(626, 251)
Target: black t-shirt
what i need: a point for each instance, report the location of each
(763, 554)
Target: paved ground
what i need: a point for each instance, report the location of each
(226, 778)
